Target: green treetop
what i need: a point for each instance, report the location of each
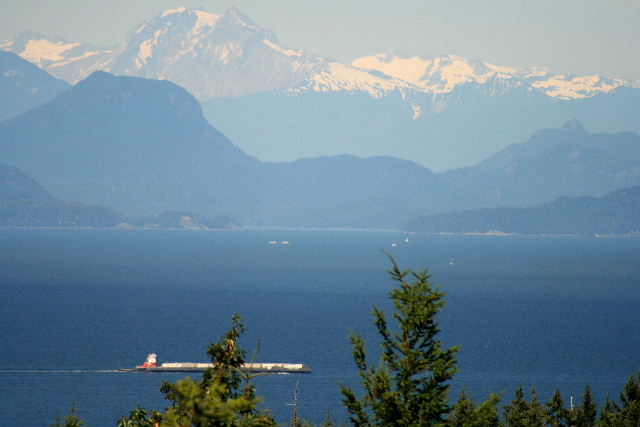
(409, 386)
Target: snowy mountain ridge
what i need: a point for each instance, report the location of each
(228, 55)
(444, 73)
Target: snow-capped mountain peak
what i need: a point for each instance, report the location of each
(221, 55)
(212, 55)
(234, 16)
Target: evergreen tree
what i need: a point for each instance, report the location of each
(609, 415)
(328, 422)
(211, 407)
(465, 413)
(521, 413)
(140, 417)
(556, 411)
(227, 358)
(70, 420)
(225, 397)
(536, 412)
(409, 386)
(462, 411)
(585, 414)
(630, 402)
(515, 412)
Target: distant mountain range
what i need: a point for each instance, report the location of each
(614, 214)
(139, 146)
(225, 55)
(554, 162)
(281, 104)
(142, 146)
(23, 86)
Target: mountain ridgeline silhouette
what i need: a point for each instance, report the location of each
(142, 147)
(613, 214)
(133, 144)
(24, 86)
(26, 203)
(279, 103)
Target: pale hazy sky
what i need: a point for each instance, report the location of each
(580, 36)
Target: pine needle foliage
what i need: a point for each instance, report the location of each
(466, 413)
(409, 386)
(556, 410)
(627, 412)
(225, 397)
(70, 420)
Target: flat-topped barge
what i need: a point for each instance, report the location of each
(151, 365)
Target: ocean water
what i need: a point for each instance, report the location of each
(76, 305)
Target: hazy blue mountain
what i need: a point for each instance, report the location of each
(553, 163)
(137, 145)
(142, 146)
(26, 203)
(615, 213)
(15, 184)
(467, 128)
(24, 86)
(347, 191)
(280, 104)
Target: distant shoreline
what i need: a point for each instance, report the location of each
(495, 233)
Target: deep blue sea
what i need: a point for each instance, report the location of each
(76, 305)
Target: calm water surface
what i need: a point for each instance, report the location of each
(77, 304)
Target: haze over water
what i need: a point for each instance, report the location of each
(544, 311)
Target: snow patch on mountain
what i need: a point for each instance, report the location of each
(500, 68)
(440, 74)
(444, 74)
(417, 111)
(145, 52)
(66, 61)
(204, 20)
(574, 87)
(172, 11)
(37, 50)
(62, 59)
(335, 76)
(409, 68)
(280, 49)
